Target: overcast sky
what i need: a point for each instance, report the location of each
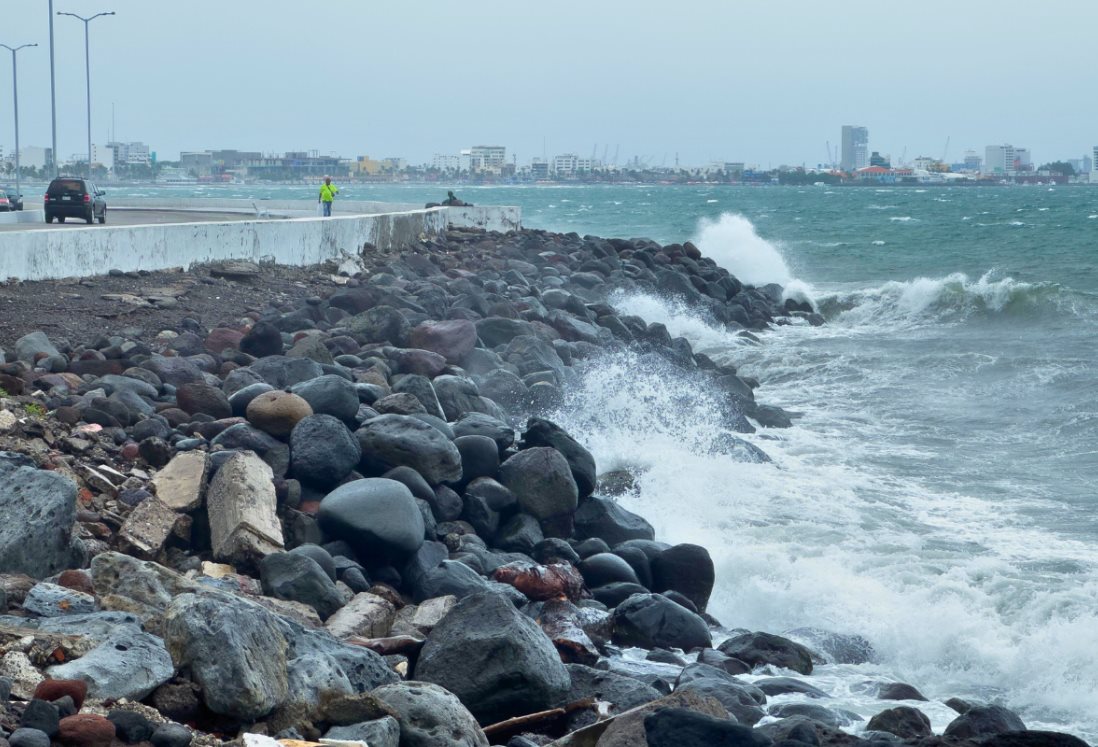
(762, 81)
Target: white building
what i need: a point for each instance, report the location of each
(33, 157)
(999, 160)
(130, 154)
(484, 159)
(445, 162)
(565, 164)
(1094, 166)
(103, 155)
(1022, 160)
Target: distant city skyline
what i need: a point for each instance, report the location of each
(712, 81)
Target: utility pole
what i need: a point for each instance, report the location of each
(15, 95)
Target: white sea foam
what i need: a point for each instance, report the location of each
(939, 582)
(732, 242)
(902, 218)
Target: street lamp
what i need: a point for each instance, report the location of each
(53, 103)
(87, 72)
(15, 95)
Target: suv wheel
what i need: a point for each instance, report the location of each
(60, 219)
(49, 218)
(103, 217)
(90, 217)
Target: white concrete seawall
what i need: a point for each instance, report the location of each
(67, 252)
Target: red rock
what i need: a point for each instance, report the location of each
(130, 451)
(96, 367)
(309, 507)
(76, 580)
(86, 730)
(53, 689)
(542, 582)
(221, 338)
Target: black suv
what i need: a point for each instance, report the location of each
(73, 197)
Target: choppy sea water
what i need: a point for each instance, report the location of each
(938, 493)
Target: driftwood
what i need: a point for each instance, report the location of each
(400, 644)
(541, 721)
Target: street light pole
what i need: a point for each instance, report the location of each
(53, 102)
(87, 73)
(15, 95)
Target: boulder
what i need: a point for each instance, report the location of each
(34, 345)
(605, 519)
(430, 716)
(479, 424)
(366, 615)
(329, 395)
(627, 729)
(479, 457)
(983, 721)
(497, 661)
(541, 432)
(453, 339)
(380, 324)
(757, 649)
(128, 664)
(262, 340)
(200, 397)
(380, 732)
(903, 721)
(738, 698)
(171, 735)
(282, 371)
(51, 600)
(606, 568)
(402, 440)
(86, 730)
(23, 737)
(277, 412)
(687, 569)
(542, 481)
(298, 578)
(621, 691)
(54, 689)
(130, 727)
(236, 652)
(680, 727)
(379, 518)
(242, 509)
(181, 484)
(322, 451)
(39, 510)
(148, 527)
(654, 621)
(899, 691)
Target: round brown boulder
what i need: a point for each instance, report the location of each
(196, 397)
(86, 730)
(277, 412)
(51, 690)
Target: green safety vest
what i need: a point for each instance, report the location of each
(328, 192)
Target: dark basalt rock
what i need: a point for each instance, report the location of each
(378, 517)
(983, 721)
(903, 721)
(757, 649)
(654, 621)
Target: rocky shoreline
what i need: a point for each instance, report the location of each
(348, 517)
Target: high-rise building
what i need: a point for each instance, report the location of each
(1094, 166)
(999, 160)
(855, 154)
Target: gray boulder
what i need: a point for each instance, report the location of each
(128, 664)
(756, 649)
(39, 510)
(401, 440)
(299, 578)
(654, 621)
(542, 481)
(430, 716)
(606, 519)
(381, 732)
(983, 721)
(235, 650)
(329, 395)
(541, 432)
(30, 346)
(322, 450)
(378, 517)
(281, 371)
(497, 661)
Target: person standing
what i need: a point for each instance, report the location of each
(328, 191)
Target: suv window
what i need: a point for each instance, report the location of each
(66, 186)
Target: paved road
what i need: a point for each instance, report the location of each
(124, 217)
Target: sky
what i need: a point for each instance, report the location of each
(767, 82)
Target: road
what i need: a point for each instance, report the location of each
(126, 217)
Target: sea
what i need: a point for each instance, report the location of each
(937, 494)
